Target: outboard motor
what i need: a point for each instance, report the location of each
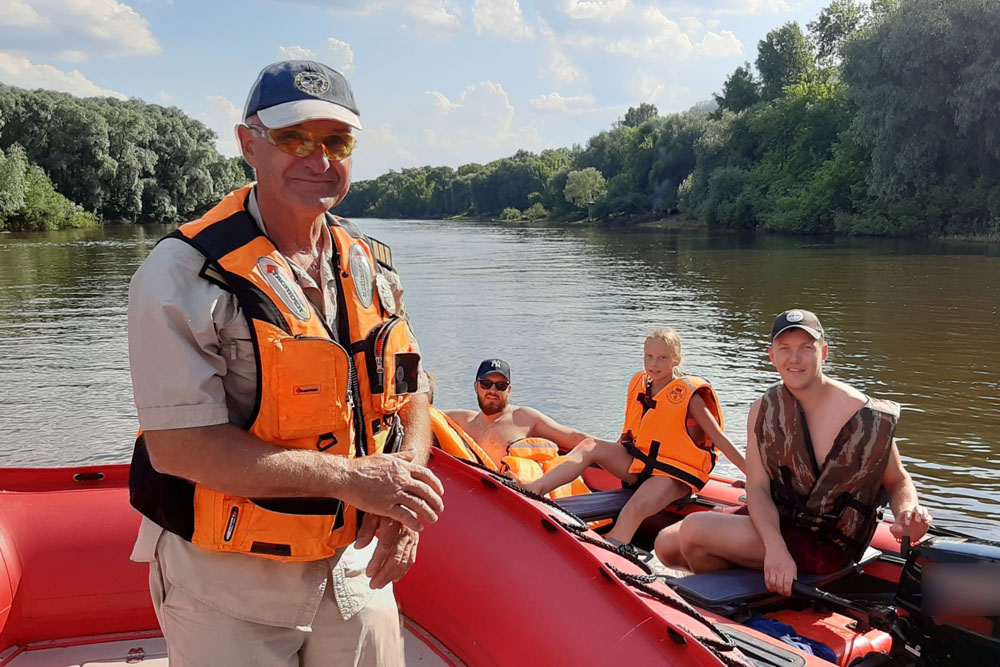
(950, 591)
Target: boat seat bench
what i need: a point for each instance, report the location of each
(726, 591)
(606, 504)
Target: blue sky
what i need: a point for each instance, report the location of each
(440, 82)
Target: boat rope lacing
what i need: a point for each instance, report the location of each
(626, 551)
(545, 500)
(721, 646)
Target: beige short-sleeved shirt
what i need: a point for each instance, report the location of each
(193, 365)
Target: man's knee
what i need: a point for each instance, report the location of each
(586, 451)
(667, 545)
(691, 536)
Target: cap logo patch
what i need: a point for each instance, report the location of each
(284, 287)
(361, 272)
(312, 83)
(495, 363)
(794, 316)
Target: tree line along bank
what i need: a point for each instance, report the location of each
(882, 117)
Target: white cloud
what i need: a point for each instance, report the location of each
(754, 6)
(479, 127)
(665, 39)
(20, 13)
(648, 88)
(295, 53)
(719, 45)
(71, 56)
(557, 103)
(437, 14)
(442, 103)
(380, 149)
(18, 71)
(343, 55)
(165, 97)
(503, 17)
(691, 25)
(223, 116)
(559, 67)
(603, 10)
(95, 27)
(351, 7)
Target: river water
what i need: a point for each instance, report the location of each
(568, 307)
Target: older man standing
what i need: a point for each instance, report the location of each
(280, 396)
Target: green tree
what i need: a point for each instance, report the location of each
(636, 116)
(740, 91)
(783, 59)
(584, 187)
(536, 212)
(835, 24)
(29, 202)
(927, 85)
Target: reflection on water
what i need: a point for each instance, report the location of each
(568, 308)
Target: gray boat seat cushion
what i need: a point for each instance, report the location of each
(725, 589)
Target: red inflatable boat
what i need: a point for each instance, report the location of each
(501, 579)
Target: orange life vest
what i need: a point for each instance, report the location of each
(838, 501)
(319, 390)
(453, 439)
(656, 430)
(529, 458)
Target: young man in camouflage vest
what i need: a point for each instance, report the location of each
(821, 458)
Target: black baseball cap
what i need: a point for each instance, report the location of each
(294, 91)
(493, 366)
(797, 319)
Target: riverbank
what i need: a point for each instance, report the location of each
(683, 222)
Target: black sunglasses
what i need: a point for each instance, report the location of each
(489, 384)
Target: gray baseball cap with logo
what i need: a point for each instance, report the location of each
(295, 91)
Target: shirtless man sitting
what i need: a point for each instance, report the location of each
(820, 458)
(498, 423)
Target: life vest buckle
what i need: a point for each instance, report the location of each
(324, 438)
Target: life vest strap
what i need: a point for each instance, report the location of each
(651, 463)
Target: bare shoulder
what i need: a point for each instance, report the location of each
(843, 393)
(463, 417)
(525, 416)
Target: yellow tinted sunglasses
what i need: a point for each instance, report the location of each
(301, 143)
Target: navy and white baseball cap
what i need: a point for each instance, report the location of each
(295, 91)
(797, 319)
(493, 366)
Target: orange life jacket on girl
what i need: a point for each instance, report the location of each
(656, 430)
(839, 501)
(332, 392)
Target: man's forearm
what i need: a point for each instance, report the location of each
(416, 422)
(231, 460)
(903, 496)
(764, 516)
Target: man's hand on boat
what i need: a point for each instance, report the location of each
(392, 486)
(912, 523)
(396, 551)
(779, 570)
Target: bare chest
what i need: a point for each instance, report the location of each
(824, 429)
(496, 436)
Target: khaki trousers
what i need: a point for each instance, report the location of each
(199, 636)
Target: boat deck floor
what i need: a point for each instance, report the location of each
(152, 652)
